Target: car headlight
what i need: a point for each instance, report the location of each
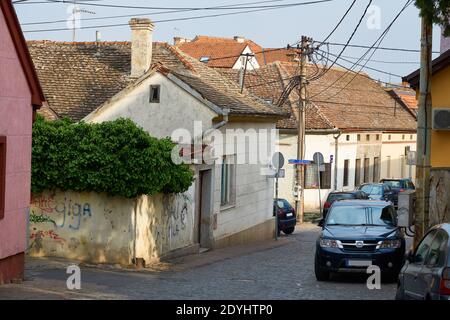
(330, 243)
(389, 244)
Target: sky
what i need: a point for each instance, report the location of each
(270, 29)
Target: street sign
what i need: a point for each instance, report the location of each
(281, 174)
(411, 157)
(278, 160)
(299, 162)
(318, 158)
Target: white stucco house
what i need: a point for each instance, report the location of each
(363, 133)
(165, 91)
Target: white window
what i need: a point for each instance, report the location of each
(228, 182)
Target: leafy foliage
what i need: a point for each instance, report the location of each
(436, 11)
(116, 157)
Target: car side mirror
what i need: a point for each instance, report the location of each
(321, 223)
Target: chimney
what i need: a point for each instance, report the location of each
(180, 40)
(98, 36)
(239, 39)
(141, 46)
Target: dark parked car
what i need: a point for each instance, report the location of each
(287, 218)
(397, 186)
(378, 191)
(357, 234)
(338, 196)
(426, 273)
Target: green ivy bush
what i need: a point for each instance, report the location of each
(116, 157)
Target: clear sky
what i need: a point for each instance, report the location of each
(274, 28)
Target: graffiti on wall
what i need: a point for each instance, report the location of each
(175, 229)
(62, 214)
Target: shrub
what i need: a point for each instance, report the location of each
(116, 157)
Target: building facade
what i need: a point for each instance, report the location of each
(20, 96)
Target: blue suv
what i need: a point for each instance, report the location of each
(358, 234)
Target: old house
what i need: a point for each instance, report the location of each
(232, 53)
(169, 93)
(440, 137)
(362, 132)
(20, 96)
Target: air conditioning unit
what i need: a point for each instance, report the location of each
(441, 119)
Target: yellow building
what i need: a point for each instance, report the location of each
(440, 137)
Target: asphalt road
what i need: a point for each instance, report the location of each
(282, 272)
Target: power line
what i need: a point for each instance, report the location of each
(378, 41)
(146, 13)
(185, 18)
(380, 48)
(380, 61)
(340, 21)
(351, 37)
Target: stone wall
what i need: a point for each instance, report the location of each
(98, 228)
(439, 197)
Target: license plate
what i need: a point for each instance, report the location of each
(289, 214)
(359, 263)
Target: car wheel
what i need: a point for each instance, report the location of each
(321, 275)
(289, 230)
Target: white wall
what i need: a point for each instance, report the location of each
(241, 61)
(254, 192)
(395, 149)
(177, 108)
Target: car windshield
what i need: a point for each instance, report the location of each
(339, 196)
(283, 204)
(360, 215)
(393, 184)
(372, 189)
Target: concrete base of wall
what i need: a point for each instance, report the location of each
(12, 268)
(181, 252)
(261, 232)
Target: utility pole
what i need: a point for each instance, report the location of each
(424, 133)
(304, 51)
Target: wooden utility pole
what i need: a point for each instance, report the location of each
(304, 49)
(424, 124)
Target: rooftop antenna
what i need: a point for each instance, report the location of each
(76, 15)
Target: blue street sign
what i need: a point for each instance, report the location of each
(299, 162)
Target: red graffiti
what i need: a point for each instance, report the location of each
(45, 204)
(47, 234)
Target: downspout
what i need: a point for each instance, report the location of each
(336, 137)
(219, 125)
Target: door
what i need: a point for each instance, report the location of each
(412, 284)
(204, 220)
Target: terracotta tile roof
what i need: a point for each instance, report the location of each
(405, 95)
(349, 104)
(224, 52)
(79, 77)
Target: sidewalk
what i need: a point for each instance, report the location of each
(45, 278)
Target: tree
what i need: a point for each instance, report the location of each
(436, 11)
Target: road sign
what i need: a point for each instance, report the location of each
(281, 174)
(278, 160)
(299, 162)
(318, 158)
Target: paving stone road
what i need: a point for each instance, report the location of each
(284, 271)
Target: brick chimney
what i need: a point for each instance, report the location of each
(141, 46)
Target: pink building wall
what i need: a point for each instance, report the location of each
(16, 116)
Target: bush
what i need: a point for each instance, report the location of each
(115, 157)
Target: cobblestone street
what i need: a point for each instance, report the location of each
(283, 270)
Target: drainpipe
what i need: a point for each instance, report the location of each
(336, 137)
(221, 124)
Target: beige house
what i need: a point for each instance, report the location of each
(166, 92)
